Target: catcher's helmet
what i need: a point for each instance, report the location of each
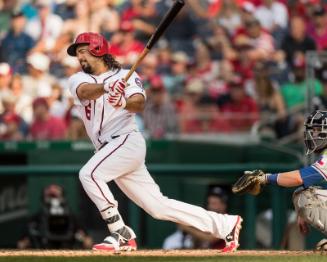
(315, 133)
(98, 45)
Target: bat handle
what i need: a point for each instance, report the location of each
(136, 64)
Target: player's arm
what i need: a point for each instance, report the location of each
(135, 103)
(87, 91)
(253, 181)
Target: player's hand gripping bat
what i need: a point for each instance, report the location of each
(165, 22)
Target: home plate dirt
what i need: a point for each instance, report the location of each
(149, 253)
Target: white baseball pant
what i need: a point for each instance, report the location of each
(122, 160)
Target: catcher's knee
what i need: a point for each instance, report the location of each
(311, 205)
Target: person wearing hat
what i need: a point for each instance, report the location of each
(16, 44)
(186, 237)
(107, 103)
(37, 82)
(175, 80)
(159, 113)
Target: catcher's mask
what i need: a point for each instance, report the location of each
(98, 45)
(315, 133)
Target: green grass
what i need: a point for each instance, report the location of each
(311, 258)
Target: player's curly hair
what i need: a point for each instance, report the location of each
(111, 62)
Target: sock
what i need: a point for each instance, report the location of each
(272, 178)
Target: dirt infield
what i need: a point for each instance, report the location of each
(149, 253)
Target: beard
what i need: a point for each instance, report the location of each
(87, 68)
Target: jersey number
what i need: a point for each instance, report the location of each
(88, 111)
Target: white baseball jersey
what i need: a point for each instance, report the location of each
(101, 120)
(122, 160)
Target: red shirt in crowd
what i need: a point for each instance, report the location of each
(52, 129)
(244, 113)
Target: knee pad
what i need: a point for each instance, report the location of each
(311, 205)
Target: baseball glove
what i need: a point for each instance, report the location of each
(251, 182)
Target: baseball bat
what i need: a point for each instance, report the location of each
(164, 23)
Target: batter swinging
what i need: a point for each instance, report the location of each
(107, 105)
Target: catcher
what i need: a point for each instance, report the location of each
(310, 200)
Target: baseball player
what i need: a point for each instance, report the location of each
(310, 199)
(107, 105)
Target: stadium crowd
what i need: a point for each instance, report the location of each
(223, 66)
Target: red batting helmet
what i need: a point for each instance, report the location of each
(98, 45)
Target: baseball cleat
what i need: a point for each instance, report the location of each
(116, 243)
(130, 245)
(232, 239)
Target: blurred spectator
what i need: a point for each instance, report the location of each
(23, 102)
(54, 226)
(164, 58)
(273, 17)
(70, 66)
(175, 81)
(247, 12)
(199, 113)
(229, 16)
(16, 43)
(148, 68)
(125, 47)
(12, 126)
(320, 101)
(76, 129)
(142, 17)
(273, 114)
(294, 92)
(6, 9)
(5, 79)
(104, 17)
(240, 110)
(318, 28)
(45, 28)
(259, 43)
(159, 113)
(80, 22)
(213, 73)
(44, 125)
(297, 40)
(37, 82)
(190, 238)
(180, 39)
(66, 9)
(58, 105)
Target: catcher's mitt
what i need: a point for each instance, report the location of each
(251, 182)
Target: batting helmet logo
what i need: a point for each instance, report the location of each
(98, 45)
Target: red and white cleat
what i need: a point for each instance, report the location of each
(113, 246)
(232, 239)
(116, 242)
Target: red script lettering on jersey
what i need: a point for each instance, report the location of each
(88, 111)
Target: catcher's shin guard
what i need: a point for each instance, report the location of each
(311, 205)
